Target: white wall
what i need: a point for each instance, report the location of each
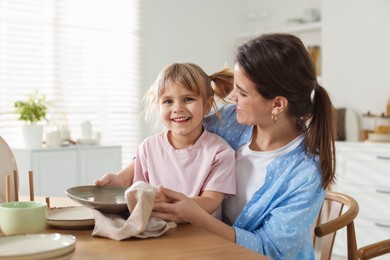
(355, 39)
(356, 53)
(200, 31)
(204, 31)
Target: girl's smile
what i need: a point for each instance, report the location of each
(181, 119)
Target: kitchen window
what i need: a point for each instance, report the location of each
(84, 55)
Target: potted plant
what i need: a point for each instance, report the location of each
(32, 111)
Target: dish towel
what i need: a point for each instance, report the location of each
(140, 199)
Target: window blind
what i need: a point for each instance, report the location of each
(84, 55)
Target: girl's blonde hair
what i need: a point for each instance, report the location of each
(192, 77)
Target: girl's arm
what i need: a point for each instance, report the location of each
(184, 209)
(122, 178)
(208, 200)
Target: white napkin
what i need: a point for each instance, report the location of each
(140, 199)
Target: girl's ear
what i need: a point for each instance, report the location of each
(207, 106)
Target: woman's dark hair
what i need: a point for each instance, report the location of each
(280, 65)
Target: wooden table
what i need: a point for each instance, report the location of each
(183, 242)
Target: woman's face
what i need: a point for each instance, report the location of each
(252, 108)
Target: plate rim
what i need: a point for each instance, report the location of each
(103, 206)
(70, 223)
(44, 253)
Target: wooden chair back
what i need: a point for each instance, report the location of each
(331, 219)
(374, 250)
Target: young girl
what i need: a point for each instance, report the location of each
(185, 157)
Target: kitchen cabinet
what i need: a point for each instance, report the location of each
(96, 161)
(56, 169)
(363, 172)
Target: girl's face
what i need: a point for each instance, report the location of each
(252, 108)
(182, 111)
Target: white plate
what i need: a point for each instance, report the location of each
(70, 217)
(67, 256)
(36, 246)
(104, 198)
(7, 167)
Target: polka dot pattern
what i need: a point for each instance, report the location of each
(276, 221)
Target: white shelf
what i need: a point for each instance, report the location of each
(299, 28)
(309, 33)
(293, 28)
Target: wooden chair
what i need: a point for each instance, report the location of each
(331, 219)
(374, 250)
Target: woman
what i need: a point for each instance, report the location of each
(282, 128)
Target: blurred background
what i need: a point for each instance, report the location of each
(95, 59)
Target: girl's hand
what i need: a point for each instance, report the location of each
(160, 197)
(110, 179)
(180, 209)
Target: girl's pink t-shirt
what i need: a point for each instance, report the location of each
(207, 165)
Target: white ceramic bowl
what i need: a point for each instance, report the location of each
(22, 217)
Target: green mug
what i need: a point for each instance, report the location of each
(22, 217)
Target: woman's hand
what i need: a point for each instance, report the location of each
(180, 209)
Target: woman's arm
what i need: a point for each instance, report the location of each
(184, 209)
(122, 178)
(228, 128)
(277, 223)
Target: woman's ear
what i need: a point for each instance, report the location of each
(280, 103)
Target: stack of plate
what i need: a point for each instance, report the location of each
(70, 217)
(37, 246)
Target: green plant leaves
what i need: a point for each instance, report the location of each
(32, 110)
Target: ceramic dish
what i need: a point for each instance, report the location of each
(70, 217)
(37, 246)
(7, 167)
(104, 198)
(67, 256)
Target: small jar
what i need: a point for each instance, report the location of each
(53, 137)
(368, 125)
(382, 124)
